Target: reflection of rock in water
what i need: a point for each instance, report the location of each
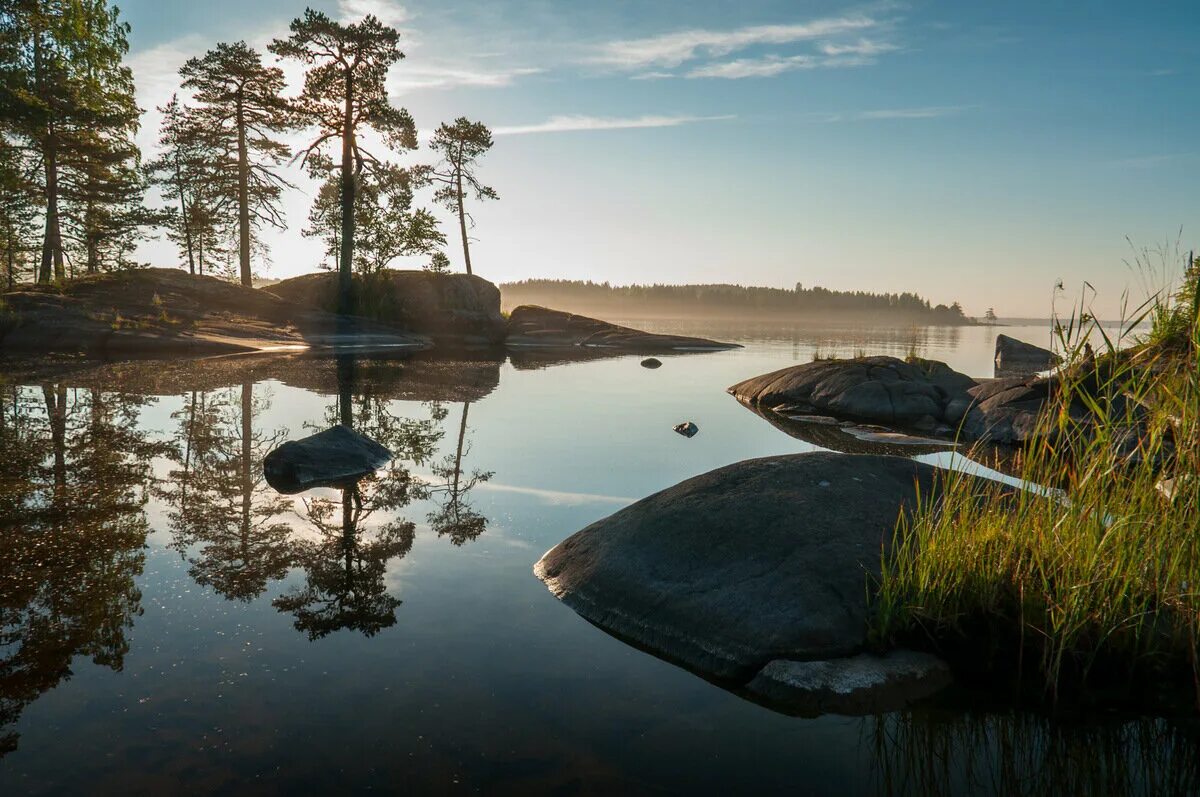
(446, 376)
(73, 483)
(948, 752)
(834, 438)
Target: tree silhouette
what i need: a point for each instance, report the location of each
(67, 103)
(386, 225)
(461, 145)
(343, 94)
(241, 109)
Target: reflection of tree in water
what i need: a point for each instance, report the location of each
(74, 480)
(345, 566)
(934, 753)
(223, 515)
(455, 517)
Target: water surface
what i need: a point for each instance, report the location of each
(170, 622)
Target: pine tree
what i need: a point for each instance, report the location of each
(344, 94)
(200, 193)
(67, 98)
(18, 215)
(385, 224)
(241, 109)
(461, 145)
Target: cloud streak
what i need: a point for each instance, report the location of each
(772, 65)
(674, 49)
(578, 123)
(388, 12)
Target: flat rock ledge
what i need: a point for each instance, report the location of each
(767, 559)
(855, 685)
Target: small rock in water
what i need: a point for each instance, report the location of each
(651, 362)
(687, 429)
(335, 457)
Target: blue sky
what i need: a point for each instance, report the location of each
(965, 150)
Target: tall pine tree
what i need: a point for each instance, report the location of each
(240, 105)
(344, 94)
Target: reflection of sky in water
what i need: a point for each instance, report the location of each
(485, 681)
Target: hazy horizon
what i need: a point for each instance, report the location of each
(963, 153)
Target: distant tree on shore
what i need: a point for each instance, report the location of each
(990, 315)
(727, 300)
(460, 144)
(240, 110)
(344, 94)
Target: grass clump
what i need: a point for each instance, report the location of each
(1089, 581)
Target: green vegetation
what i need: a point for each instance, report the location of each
(461, 145)
(730, 300)
(1093, 580)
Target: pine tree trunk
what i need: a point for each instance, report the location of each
(345, 273)
(243, 196)
(52, 241)
(462, 216)
(184, 219)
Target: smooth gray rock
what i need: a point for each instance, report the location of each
(1018, 358)
(334, 457)
(856, 685)
(877, 389)
(747, 563)
(687, 429)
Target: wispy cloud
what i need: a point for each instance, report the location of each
(388, 12)
(771, 65)
(570, 124)
(411, 76)
(674, 49)
(926, 112)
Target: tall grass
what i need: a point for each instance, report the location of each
(1083, 587)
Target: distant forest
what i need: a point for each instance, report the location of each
(729, 301)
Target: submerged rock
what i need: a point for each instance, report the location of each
(530, 325)
(687, 429)
(651, 362)
(855, 685)
(1018, 358)
(880, 389)
(766, 559)
(335, 457)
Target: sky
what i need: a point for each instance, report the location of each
(971, 151)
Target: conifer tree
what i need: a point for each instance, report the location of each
(240, 107)
(461, 145)
(344, 95)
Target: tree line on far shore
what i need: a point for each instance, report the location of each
(73, 183)
(728, 300)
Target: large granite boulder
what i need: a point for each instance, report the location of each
(336, 457)
(1018, 358)
(879, 389)
(168, 312)
(766, 559)
(530, 325)
(454, 308)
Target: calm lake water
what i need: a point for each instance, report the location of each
(168, 622)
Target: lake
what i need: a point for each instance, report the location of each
(171, 623)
